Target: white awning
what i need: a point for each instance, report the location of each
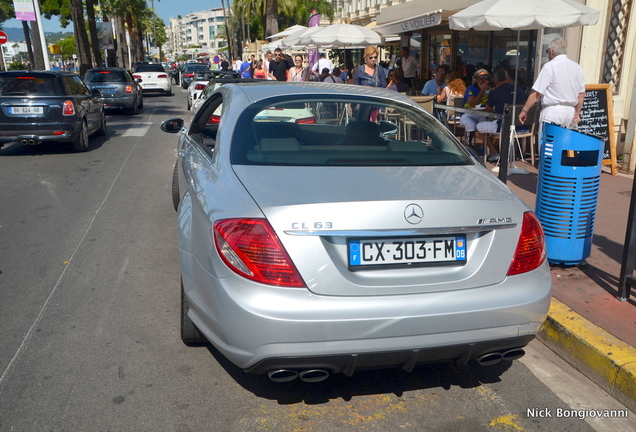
(429, 19)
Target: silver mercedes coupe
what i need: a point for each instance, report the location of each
(328, 228)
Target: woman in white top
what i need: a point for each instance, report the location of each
(297, 72)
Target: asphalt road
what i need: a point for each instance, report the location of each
(89, 320)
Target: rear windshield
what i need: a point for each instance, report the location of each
(106, 76)
(28, 86)
(149, 68)
(193, 68)
(310, 133)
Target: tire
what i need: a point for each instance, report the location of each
(175, 186)
(169, 92)
(80, 144)
(141, 102)
(135, 109)
(190, 335)
(189, 104)
(102, 126)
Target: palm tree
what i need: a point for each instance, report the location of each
(271, 17)
(79, 29)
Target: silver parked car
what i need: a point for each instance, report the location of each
(363, 236)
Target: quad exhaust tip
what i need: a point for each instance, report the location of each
(308, 376)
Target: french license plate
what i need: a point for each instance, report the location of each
(407, 251)
(150, 85)
(26, 110)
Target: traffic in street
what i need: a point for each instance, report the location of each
(90, 319)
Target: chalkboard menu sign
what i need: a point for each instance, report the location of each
(597, 119)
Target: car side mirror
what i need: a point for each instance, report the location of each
(172, 125)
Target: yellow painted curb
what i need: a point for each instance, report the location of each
(602, 357)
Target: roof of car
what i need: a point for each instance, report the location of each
(37, 73)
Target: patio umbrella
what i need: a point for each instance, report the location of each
(527, 15)
(294, 39)
(342, 36)
(493, 15)
(287, 32)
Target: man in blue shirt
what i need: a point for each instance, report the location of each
(435, 86)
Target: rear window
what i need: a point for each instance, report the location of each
(196, 68)
(28, 86)
(149, 68)
(105, 76)
(337, 133)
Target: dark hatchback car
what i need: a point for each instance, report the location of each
(118, 87)
(42, 106)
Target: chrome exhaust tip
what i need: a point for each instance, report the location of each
(513, 354)
(489, 359)
(31, 142)
(25, 142)
(313, 375)
(282, 375)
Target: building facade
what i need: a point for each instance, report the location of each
(196, 34)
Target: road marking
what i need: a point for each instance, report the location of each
(138, 130)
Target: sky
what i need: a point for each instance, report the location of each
(164, 8)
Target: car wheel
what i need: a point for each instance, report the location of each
(169, 92)
(175, 187)
(80, 144)
(141, 102)
(174, 81)
(184, 86)
(190, 335)
(189, 104)
(102, 125)
(135, 109)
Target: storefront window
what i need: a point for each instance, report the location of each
(472, 51)
(439, 52)
(506, 53)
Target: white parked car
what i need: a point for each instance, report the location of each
(153, 78)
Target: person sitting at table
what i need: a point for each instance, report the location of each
(501, 94)
(476, 97)
(435, 86)
(455, 89)
(396, 82)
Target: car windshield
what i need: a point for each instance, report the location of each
(149, 68)
(27, 86)
(105, 76)
(310, 133)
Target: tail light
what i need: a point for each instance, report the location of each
(189, 74)
(68, 109)
(214, 120)
(137, 76)
(306, 120)
(199, 86)
(129, 89)
(530, 252)
(251, 248)
(162, 76)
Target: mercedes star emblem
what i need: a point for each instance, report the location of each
(413, 214)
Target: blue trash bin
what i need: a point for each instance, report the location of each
(567, 192)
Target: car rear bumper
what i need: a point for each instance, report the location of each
(260, 328)
(30, 135)
(159, 87)
(119, 102)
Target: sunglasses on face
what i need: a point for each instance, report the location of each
(278, 55)
(373, 57)
(483, 77)
(548, 51)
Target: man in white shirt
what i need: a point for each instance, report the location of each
(269, 58)
(322, 63)
(409, 66)
(560, 86)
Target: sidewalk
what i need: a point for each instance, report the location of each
(587, 325)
